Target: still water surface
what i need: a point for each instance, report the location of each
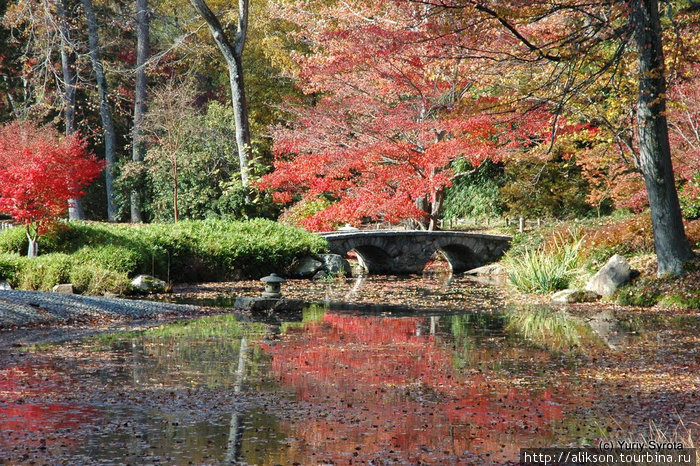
(435, 386)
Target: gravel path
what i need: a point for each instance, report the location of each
(30, 308)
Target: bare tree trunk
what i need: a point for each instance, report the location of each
(105, 111)
(670, 242)
(143, 50)
(70, 79)
(233, 54)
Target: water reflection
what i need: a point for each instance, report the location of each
(343, 385)
(404, 385)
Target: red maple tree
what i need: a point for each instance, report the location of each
(392, 112)
(39, 172)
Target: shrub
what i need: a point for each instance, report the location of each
(303, 210)
(110, 256)
(546, 269)
(632, 235)
(92, 279)
(10, 268)
(43, 272)
(186, 251)
(551, 188)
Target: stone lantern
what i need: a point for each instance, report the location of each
(273, 285)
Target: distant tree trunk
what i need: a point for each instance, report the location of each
(670, 242)
(233, 54)
(105, 111)
(70, 79)
(143, 50)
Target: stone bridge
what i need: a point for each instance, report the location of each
(408, 251)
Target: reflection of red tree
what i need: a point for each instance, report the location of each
(25, 421)
(389, 386)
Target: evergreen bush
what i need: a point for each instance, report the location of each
(100, 256)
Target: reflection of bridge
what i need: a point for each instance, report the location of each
(407, 251)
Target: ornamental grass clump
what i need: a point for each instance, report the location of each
(545, 269)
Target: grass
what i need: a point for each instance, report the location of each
(668, 291)
(545, 269)
(533, 266)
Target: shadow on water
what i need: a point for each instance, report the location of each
(341, 384)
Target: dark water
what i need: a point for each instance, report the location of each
(347, 386)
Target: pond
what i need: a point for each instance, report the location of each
(431, 381)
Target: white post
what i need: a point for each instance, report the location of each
(521, 226)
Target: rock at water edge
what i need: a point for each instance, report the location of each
(148, 284)
(487, 270)
(66, 288)
(306, 267)
(614, 273)
(335, 264)
(574, 296)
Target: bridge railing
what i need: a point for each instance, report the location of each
(521, 223)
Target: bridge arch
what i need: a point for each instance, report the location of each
(373, 259)
(461, 258)
(408, 251)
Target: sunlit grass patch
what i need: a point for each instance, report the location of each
(546, 269)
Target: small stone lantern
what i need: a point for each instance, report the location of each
(273, 285)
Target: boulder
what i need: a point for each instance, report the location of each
(574, 296)
(614, 273)
(66, 288)
(4, 285)
(335, 264)
(148, 284)
(306, 267)
(487, 270)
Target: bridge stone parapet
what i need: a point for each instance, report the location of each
(399, 252)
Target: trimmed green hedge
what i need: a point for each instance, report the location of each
(99, 257)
